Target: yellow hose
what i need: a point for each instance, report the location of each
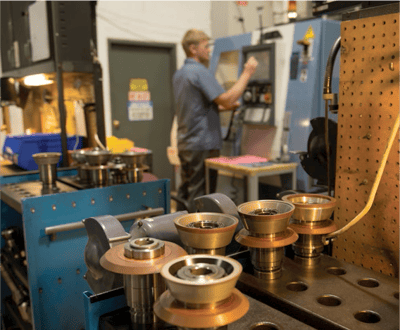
(374, 186)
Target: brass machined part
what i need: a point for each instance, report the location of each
(311, 207)
(202, 269)
(314, 228)
(115, 261)
(209, 233)
(173, 312)
(266, 217)
(244, 238)
(201, 293)
(140, 261)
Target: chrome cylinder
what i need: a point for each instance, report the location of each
(47, 165)
(267, 263)
(98, 177)
(134, 175)
(308, 246)
(83, 175)
(141, 292)
(48, 175)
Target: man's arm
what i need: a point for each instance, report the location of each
(228, 99)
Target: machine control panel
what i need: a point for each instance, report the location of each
(258, 97)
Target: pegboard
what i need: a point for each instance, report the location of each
(368, 107)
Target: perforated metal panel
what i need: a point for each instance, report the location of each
(369, 104)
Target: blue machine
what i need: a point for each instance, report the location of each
(55, 263)
(301, 52)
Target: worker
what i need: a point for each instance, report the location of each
(199, 98)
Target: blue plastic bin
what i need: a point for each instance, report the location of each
(19, 149)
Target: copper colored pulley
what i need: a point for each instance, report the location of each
(201, 292)
(311, 220)
(266, 233)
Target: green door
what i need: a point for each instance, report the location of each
(156, 63)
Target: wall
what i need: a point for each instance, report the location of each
(225, 15)
(152, 21)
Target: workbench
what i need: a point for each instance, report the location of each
(252, 168)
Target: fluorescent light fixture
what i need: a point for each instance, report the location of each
(292, 14)
(37, 80)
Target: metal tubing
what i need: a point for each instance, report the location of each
(141, 292)
(121, 217)
(329, 66)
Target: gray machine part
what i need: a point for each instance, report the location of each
(104, 232)
(220, 203)
(161, 227)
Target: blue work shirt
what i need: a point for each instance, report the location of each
(195, 88)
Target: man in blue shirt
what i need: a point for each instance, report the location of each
(199, 98)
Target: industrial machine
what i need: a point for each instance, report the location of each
(43, 240)
(285, 93)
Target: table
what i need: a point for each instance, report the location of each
(251, 171)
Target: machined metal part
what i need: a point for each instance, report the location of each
(140, 261)
(135, 164)
(266, 234)
(311, 220)
(201, 293)
(207, 233)
(98, 157)
(47, 163)
(135, 174)
(334, 295)
(265, 217)
(134, 159)
(311, 207)
(161, 227)
(13, 193)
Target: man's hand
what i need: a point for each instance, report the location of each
(250, 66)
(233, 107)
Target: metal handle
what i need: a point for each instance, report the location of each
(121, 217)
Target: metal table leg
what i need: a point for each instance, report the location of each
(252, 188)
(207, 180)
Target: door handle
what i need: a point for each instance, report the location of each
(116, 124)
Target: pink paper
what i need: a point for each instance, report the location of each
(245, 159)
(137, 149)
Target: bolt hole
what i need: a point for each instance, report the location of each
(144, 241)
(201, 271)
(367, 317)
(368, 283)
(296, 286)
(264, 326)
(336, 271)
(329, 300)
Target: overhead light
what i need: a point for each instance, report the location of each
(37, 80)
(292, 9)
